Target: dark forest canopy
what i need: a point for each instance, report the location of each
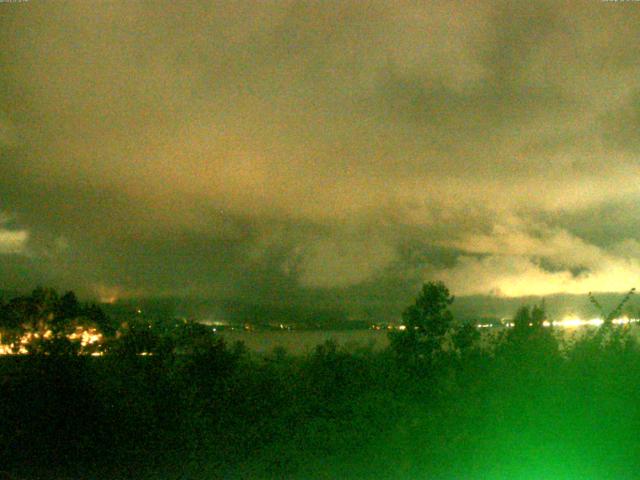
(440, 402)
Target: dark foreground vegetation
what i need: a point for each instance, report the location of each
(440, 403)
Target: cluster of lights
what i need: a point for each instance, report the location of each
(9, 349)
(388, 327)
(567, 322)
(89, 337)
(571, 322)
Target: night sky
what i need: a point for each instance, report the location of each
(272, 150)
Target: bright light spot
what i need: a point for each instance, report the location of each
(569, 322)
(6, 349)
(13, 241)
(624, 320)
(595, 322)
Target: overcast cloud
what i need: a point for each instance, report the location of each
(267, 149)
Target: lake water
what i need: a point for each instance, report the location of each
(300, 342)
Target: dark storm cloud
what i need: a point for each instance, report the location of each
(276, 149)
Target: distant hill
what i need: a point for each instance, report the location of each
(329, 311)
(557, 306)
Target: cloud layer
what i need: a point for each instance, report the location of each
(269, 149)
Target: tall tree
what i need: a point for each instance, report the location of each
(425, 324)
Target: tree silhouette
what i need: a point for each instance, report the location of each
(44, 322)
(136, 338)
(68, 306)
(616, 312)
(529, 319)
(425, 323)
(465, 338)
(529, 340)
